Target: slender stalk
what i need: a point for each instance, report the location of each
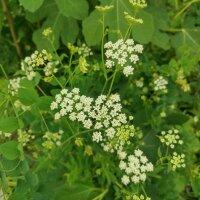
(128, 32)
(185, 8)
(3, 180)
(102, 46)
(73, 136)
(4, 72)
(112, 82)
(12, 28)
(44, 121)
(59, 83)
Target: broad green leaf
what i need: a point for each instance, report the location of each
(62, 27)
(196, 186)
(177, 118)
(44, 103)
(76, 192)
(77, 9)
(161, 40)
(93, 28)
(143, 33)
(8, 124)
(32, 179)
(31, 5)
(187, 36)
(27, 96)
(10, 150)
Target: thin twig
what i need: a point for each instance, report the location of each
(11, 26)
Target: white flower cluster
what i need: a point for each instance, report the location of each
(171, 138)
(138, 3)
(24, 136)
(38, 59)
(140, 83)
(136, 197)
(14, 85)
(111, 128)
(84, 50)
(135, 167)
(122, 53)
(52, 140)
(50, 68)
(177, 161)
(5, 134)
(102, 114)
(160, 84)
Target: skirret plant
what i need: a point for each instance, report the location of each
(94, 126)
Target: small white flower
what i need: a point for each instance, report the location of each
(97, 137)
(125, 180)
(128, 70)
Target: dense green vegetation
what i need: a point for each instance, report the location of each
(99, 99)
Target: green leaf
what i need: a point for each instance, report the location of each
(143, 33)
(187, 36)
(76, 192)
(31, 5)
(44, 103)
(28, 96)
(10, 150)
(65, 28)
(161, 40)
(77, 9)
(195, 182)
(177, 118)
(32, 179)
(8, 124)
(93, 28)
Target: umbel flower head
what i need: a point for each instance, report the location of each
(110, 126)
(134, 166)
(123, 54)
(39, 59)
(177, 161)
(171, 138)
(103, 115)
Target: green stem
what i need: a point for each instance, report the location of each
(59, 83)
(4, 72)
(77, 134)
(102, 47)
(185, 7)
(128, 32)
(3, 180)
(41, 90)
(44, 121)
(101, 196)
(113, 79)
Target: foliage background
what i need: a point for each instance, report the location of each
(171, 37)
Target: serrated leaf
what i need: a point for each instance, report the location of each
(10, 150)
(77, 9)
(8, 124)
(31, 5)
